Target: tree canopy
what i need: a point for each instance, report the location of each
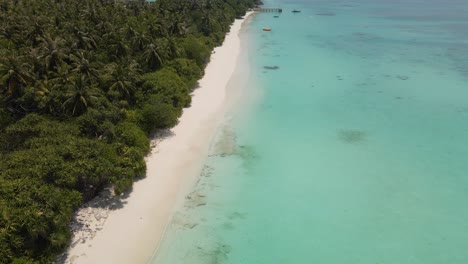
(82, 86)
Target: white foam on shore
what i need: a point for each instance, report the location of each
(128, 230)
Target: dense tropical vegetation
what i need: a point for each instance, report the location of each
(82, 86)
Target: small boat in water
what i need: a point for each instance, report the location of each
(275, 16)
(267, 29)
(296, 11)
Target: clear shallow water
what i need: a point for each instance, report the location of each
(356, 150)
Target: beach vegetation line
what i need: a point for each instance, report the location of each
(83, 86)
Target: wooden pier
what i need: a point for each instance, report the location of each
(268, 10)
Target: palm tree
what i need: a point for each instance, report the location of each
(53, 51)
(10, 34)
(80, 95)
(81, 65)
(15, 74)
(177, 25)
(140, 40)
(208, 24)
(61, 76)
(116, 45)
(36, 63)
(50, 95)
(85, 40)
(122, 78)
(36, 32)
(153, 56)
(173, 48)
(157, 29)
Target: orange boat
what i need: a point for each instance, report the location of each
(267, 29)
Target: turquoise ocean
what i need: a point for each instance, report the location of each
(351, 146)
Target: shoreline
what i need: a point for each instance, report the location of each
(129, 229)
(239, 100)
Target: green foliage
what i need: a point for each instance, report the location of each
(63, 169)
(169, 86)
(82, 84)
(131, 135)
(188, 70)
(156, 114)
(5, 119)
(195, 49)
(99, 123)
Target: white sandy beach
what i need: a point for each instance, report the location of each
(129, 230)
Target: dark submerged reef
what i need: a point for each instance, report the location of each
(82, 86)
(352, 136)
(326, 14)
(271, 67)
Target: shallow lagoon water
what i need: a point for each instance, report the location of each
(354, 149)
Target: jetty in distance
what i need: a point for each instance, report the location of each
(268, 9)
